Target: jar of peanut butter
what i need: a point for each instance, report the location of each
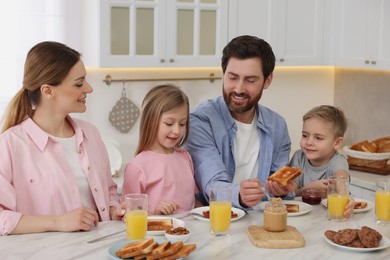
(275, 216)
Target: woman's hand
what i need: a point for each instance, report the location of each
(118, 213)
(166, 207)
(78, 219)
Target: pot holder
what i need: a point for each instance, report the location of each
(124, 114)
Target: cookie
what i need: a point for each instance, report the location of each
(345, 236)
(330, 234)
(369, 237)
(356, 243)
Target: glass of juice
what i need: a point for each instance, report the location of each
(382, 201)
(220, 209)
(136, 215)
(338, 197)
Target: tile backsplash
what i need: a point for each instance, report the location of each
(364, 96)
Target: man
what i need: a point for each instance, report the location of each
(235, 140)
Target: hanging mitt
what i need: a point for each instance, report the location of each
(124, 114)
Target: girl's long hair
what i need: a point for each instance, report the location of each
(157, 101)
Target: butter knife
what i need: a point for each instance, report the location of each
(104, 237)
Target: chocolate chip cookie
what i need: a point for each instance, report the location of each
(345, 236)
(369, 237)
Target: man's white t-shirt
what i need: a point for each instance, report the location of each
(246, 150)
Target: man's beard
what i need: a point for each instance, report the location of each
(240, 109)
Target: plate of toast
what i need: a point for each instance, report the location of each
(361, 205)
(294, 208)
(157, 225)
(150, 248)
(203, 213)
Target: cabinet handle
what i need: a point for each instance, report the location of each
(373, 62)
(162, 60)
(171, 60)
(367, 62)
(281, 60)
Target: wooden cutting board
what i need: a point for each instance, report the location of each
(290, 238)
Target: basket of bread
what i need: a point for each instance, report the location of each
(374, 154)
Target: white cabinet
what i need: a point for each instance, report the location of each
(294, 29)
(158, 33)
(361, 33)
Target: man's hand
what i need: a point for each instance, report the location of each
(250, 194)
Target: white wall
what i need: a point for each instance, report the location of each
(292, 93)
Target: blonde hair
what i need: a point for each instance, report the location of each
(46, 63)
(157, 101)
(330, 114)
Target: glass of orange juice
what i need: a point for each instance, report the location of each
(382, 201)
(136, 215)
(220, 209)
(338, 197)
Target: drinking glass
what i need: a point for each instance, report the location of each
(382, 201)
(220, 209)
(338, 197)
(136, 215)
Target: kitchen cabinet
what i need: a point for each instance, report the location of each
(159, 33)
(361, 33)
(294, 29)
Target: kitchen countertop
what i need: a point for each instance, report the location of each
(73, 245)
(366, 180)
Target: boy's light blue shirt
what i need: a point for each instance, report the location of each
(210, 144)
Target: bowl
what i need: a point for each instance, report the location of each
(311, 196)
(178, 234)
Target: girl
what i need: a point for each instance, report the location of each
(161, 169)
(54, 170)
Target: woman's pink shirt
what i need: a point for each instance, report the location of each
(35, 178)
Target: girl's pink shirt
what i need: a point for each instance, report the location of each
(162, 177)
(35, 178)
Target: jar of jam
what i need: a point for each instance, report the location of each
(311, 196)
(275, 216)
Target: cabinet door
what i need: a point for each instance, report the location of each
(300, 32)
(196, 32)
(132, 33)
(362, 30)
(294, 29)
(380, 41)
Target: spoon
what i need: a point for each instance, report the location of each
(265, 191)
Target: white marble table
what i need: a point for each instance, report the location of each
(56, 245)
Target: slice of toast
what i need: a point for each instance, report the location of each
(134, 247)
(292, 208)
(160, 224)
(145, 251)
(183, 252)
(172, 249)
(285, 174)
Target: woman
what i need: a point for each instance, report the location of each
(54, 170)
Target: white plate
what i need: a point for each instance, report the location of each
(200, 210)
(385, 242)
(304, 208)
(176, 223)
(370, 205)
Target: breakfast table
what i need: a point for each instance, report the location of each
(312, 225)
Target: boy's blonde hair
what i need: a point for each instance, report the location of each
(331, 114)
(157, 101)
